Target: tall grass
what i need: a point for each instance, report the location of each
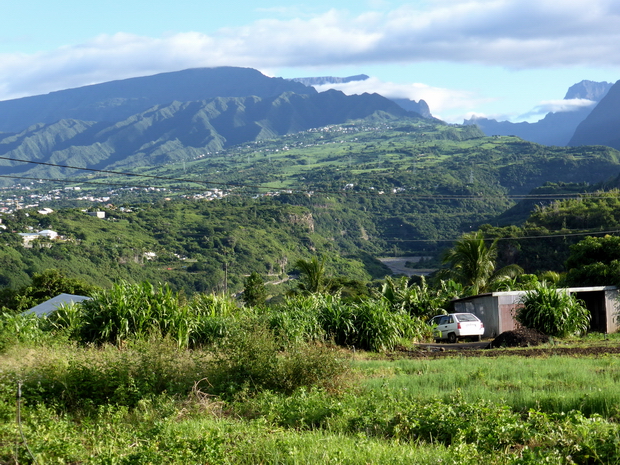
(552, 385)
(370, 324)
(554, 312)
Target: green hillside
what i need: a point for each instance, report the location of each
(543, 241)
(370, 188)
(195, 246)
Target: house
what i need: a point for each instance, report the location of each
(97, 214)
(29, 237)
(51, 305)
(497, 309)
(48, 234)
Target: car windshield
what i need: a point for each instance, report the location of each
(466, 317)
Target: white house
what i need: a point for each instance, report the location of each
(29, 237)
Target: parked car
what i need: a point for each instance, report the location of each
(455, 326)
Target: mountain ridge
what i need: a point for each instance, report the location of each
(175, 131)
(602, 125)
(556, 128)
(118, 100)
(420, 107)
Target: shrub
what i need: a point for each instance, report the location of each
(78, 378)
(135, 310)
(297, 320)
(553, 312)
(250, 361)
(214, 317)
(20, 329)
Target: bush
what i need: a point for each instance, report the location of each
(72, 378)
(250, 361)
(553, 312)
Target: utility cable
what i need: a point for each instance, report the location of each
(542, 236)
(294, 189)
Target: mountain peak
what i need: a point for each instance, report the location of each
(589, 90)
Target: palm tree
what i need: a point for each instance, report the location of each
(472, 264)
(313, 278)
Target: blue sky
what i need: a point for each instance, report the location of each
(509, 59)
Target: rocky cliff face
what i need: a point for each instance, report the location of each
(589, 90)
(602, 126)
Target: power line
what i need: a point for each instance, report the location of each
(293, 189)
(542, 236)
(103, 184)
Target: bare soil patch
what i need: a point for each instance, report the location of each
(522, 342)
(522, 337)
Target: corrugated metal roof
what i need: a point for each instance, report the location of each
(51, 305)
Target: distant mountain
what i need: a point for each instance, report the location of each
(420, 107)
(178, 130)
(555, 128)
(589, 90)
(602, 126)
(117, 100)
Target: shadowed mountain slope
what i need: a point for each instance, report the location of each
(118, 100)
(602, 126)
(178, 130)
(556, 128)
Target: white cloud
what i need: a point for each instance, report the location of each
(440, 100)
(510, 33)
(564, 105)
(556, 106)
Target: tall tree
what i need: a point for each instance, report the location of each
(313, 279)
(472, 263)
(254, 292)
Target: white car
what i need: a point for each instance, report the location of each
(455, 326)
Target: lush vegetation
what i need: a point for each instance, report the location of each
(197, 246)
(166, 365)
(554, 312)
(250, 399)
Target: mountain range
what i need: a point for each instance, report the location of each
(162, 118)
(153, 120)
(556, 128)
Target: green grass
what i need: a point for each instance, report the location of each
(160, 407)
(553, 384)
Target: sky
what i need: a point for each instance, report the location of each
(505, 59)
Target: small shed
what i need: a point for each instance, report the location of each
(497, 309)
(51, 305)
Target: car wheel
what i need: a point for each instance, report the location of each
(452, 338)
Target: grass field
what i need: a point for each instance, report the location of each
(153, 403)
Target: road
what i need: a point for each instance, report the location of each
(397, 265)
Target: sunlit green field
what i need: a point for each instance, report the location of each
(552, 384)
(150, 402)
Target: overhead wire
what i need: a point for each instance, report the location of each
(538, 196)
(304, 190)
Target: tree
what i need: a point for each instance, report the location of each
(254, 293)
(472, 264)
(312, 279)
(594, 261)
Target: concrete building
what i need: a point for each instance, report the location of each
(497, 309)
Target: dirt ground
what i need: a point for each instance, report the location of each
(522, 342)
